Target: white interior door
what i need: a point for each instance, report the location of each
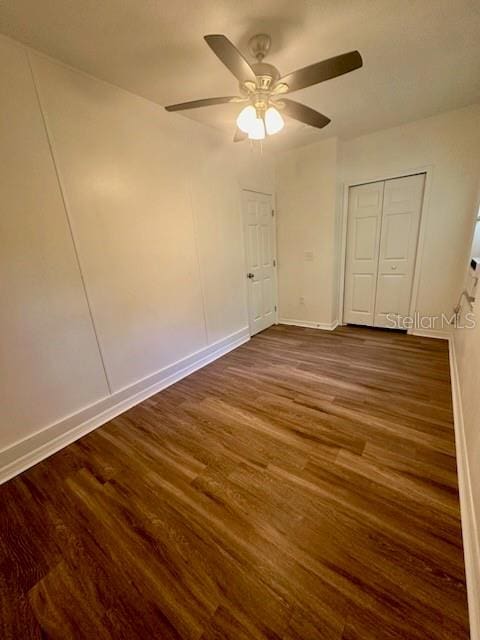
(402, 204)
(260, 259)
(363, 239)
(382, 234)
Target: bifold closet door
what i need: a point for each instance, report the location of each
(402, 204)
(363, 240)
(382, 235)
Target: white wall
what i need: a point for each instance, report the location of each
(153, 203)
(306, 181)
(467, 367)
(309, 209)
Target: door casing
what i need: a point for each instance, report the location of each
(428, 171)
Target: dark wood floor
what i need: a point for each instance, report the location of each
(304, 486)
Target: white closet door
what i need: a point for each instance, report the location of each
(402, 203)
(363, 240)
(259, 240)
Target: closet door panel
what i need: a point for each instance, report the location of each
(363, 240)
(402, 203)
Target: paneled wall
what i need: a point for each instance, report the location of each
(50, 365)
(121, 249)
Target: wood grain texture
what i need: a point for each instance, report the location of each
(303, 486)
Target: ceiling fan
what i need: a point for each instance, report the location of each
(262, 87)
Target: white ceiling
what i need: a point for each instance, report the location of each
(421, 57)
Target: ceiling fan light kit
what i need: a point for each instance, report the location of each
(257, 130)
(252, 122)
(246, 118)
(263, 88)
(273, 121)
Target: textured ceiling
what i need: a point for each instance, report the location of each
(421, 57)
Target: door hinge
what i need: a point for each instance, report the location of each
(275, 307)
(274, 262)
(273, 212)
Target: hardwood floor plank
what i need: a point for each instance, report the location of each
(302, 486)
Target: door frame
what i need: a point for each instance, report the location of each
(274, 248)
(428, 171)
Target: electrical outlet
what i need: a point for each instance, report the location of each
(301, 300)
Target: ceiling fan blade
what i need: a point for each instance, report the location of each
(231, 57)
(321, 71)
(304, 114)
(195, 104)
(239, 135)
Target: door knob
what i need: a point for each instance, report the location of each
(250, 275)
(394, 266)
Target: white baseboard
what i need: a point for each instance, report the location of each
(38, 446)
(470, 523)
(429, 333)
(310, 324)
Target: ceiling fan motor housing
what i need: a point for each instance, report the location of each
(267, 75)
(259, 45)
(260, 92)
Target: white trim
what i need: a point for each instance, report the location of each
(470, 526)
(429, 333)
(428, 171)
(343, 252)
(310, 324)
(38, 446)
(275, 248)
